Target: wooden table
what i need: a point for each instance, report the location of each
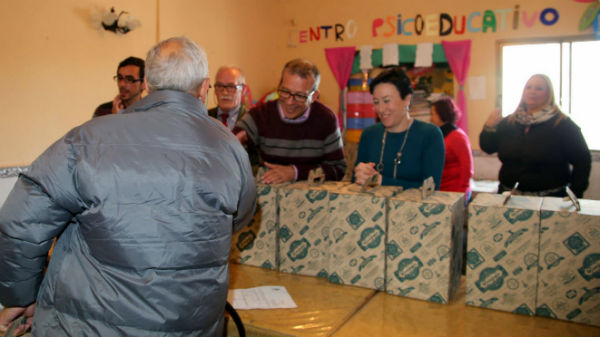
(323, 307)
(326, 309)
(387, 315)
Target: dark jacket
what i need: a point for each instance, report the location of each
(103, 109)
(252, 153)
(144, 204)
(214, 111)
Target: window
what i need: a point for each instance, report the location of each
(574, 68)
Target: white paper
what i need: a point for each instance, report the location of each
(267, 297)
(365, 57)
(424, 57)
(476, 86)
(390, 54)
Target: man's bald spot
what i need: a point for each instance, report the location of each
(170, 48)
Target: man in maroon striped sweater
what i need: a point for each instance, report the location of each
(295, 133)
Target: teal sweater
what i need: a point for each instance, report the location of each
(422, 157)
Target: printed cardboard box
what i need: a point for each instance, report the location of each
(569, 276)
(257, 244)
(424, 245)
(304, 229)
(502, 253)
(358, 229)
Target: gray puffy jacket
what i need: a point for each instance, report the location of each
(143, 205)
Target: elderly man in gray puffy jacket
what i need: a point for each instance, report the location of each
(143, 205)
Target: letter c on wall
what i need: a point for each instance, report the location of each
(469, 26)
(406, 32)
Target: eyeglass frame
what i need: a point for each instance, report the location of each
(303, 98)
(128, 79)
(228, 87)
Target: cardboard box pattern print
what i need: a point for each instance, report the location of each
(424, 245)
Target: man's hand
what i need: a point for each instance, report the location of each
(9, 314)
(117, 104)
(278, 174)
(363, 172)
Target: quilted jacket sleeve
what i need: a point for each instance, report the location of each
(38, 208)
(247, 199)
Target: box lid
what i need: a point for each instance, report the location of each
(588, 207)
(515, 201)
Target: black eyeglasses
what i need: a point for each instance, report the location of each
(228, 87)
(128, 79)
(300, 98)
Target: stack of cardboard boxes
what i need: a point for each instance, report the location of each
(535, 256)
(424, 244)
(258, 244)
(381, 238)
(526, 255)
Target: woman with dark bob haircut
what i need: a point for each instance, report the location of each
(458, 167)
(399, 150)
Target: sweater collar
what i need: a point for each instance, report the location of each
(447, 128)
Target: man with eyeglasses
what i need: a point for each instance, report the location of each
(230, 86)
(131, 84)
(295, 133)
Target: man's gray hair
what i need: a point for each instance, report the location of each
(177, 64)
(236, 68)
(303, 68)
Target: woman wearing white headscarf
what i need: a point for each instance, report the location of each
(539, 146)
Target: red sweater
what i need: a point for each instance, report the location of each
(458, 167)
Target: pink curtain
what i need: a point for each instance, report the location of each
(458, 54)
(340, 61)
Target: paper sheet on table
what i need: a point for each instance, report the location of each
(267, 297)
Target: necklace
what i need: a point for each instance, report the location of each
(398, 159)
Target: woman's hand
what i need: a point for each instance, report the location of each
(494, 118)
(363, 172)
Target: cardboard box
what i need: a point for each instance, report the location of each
(258, 244)
(357, 240)
(502, 253)
(304, 230)
(424, 245)
(569, 276)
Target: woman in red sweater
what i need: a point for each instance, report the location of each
(458, 167)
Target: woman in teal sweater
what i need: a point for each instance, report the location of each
(402, 150)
